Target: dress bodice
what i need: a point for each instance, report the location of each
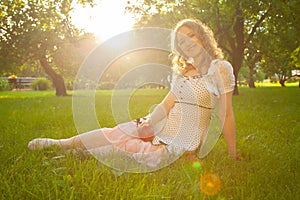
(195, 98)
(191, 90)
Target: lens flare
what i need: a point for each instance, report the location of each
(210, 184)
(197, 165)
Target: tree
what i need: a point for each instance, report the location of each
(36, 30)
(252, 58)
(279, 41)
(295, 61)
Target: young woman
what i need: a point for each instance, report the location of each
(201, 81)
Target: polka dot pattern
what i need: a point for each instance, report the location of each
(188, 120)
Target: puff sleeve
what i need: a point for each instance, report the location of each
(224, 76)
(219, 79)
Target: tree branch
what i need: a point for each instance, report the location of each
(253, 30)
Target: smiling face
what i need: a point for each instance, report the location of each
(193, 39)
(188, 42)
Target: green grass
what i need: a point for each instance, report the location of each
(267, 123)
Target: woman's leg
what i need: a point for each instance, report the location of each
(87, 140)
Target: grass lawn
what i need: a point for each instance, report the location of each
(267, 123)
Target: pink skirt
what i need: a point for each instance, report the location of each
(129, 153)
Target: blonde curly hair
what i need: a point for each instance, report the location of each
(203, 33)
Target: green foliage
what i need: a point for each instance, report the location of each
(267, 139)
(279, 53)
(295, 58)
(40, 32)
(4, 85)
(69, 84)
(106, 86)
(41, 84)
(244, 74)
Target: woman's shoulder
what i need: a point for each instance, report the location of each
(221, 66)
(221, 63)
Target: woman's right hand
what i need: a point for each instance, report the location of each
(145, 131)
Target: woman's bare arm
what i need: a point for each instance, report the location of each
(162, 110)
(227, 117)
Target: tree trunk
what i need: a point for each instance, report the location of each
(281, 81)
(57, 80)
(251, 79)
(251, 83)
(236, 89)
(238, 49)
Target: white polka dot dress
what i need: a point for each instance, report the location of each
(195, 98)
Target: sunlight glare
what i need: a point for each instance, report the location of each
(105, 20)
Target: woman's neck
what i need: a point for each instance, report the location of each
(202, 64)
